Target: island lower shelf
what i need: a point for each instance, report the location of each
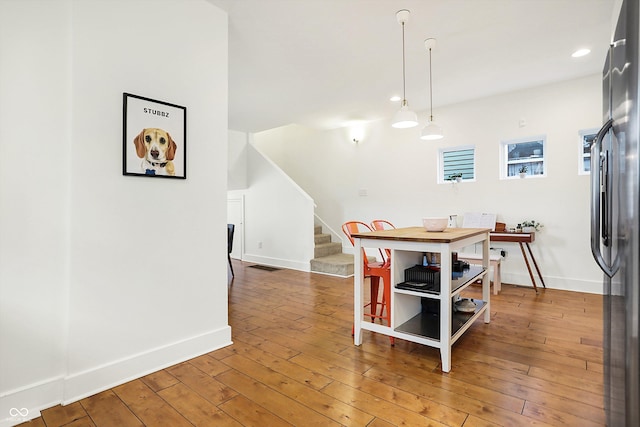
(427, 325)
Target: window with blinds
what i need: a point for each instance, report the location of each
(457, 162)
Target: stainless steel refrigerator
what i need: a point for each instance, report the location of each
(615, 231)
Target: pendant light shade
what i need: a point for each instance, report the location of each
(404, 118)
(431, 131)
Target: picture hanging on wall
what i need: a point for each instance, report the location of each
(154, 138)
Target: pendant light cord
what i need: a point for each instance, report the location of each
(404, 88)
(430, 90)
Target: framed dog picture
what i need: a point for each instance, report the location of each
(154, 138)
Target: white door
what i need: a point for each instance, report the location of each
(235, 215)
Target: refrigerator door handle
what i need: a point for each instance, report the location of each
(597, 202)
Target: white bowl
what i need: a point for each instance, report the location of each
(435, 224)
(465, 305)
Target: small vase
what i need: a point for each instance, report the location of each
(523, 174)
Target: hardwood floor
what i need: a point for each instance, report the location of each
(293, 362)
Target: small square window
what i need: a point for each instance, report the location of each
(523, 156)
(457, 164)
(584, 150)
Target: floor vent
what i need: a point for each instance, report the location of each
(264, 267)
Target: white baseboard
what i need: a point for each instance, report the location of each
(24, 404)
(83, 384)
(21, 405)
(562, 283)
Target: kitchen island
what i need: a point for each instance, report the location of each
(409, 321)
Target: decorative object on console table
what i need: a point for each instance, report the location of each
(531, 226)
(154, 138)
(479, 220)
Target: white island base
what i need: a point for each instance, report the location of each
(408, 320)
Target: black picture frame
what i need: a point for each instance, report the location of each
(154, 138)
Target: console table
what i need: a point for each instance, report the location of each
(408, 321)
(521, 238)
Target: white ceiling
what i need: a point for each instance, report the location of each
(323, 63)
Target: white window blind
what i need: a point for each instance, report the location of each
(458, 161)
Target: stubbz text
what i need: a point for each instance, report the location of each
(156, 112)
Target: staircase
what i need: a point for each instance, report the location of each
(328, 256)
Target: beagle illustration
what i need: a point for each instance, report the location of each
(157, 149)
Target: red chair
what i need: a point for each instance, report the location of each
(383, 224)
(374, 271)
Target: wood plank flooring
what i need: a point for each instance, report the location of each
(293, 363)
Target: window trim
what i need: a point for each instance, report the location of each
(504, 158)
(441, 178)
(581, 154)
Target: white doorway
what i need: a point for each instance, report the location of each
(235, 215)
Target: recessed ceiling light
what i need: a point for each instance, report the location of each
(581, 52)
(395, 98)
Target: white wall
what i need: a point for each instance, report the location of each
(278, 217)
(237, 155)
(35, 158)
(399, 173)
(104, 278)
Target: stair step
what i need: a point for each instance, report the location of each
(328, 256)
(326, 249)
(338, 264)
(320, 238)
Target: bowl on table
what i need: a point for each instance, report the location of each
(435, 223)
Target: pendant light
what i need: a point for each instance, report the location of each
(431, 131)
(404, 118)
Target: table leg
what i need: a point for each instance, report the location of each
(526, 261)
(445, 356)
(446, 310)
(486, 284)
(536, 265)
(358, 291)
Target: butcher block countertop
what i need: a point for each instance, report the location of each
(419, 234)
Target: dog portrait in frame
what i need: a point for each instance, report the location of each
(154, 138)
